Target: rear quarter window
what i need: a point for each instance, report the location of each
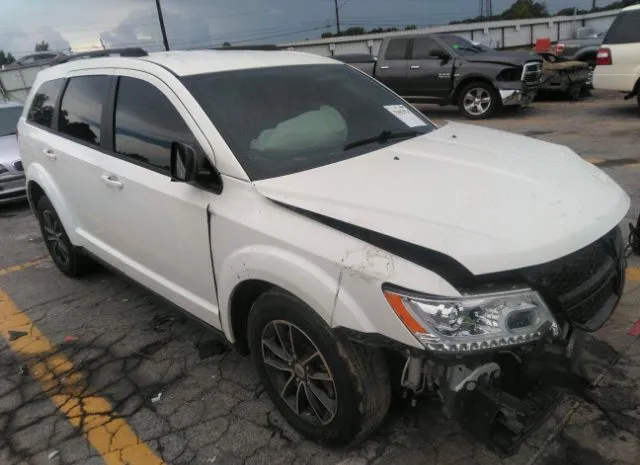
(625, 29)
(44, 103)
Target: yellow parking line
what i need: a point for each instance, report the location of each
(22, 266)
(594, 161)
(633, 274)
(109, 434)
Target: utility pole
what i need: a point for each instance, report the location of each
(488, 8)
(337, 16)
(162, 29)
(593, 7)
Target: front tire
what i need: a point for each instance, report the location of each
(331, 390)
(64, 254)
(478, 100)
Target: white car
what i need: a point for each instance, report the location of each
(12, 180)
(328, 228)
(618, 60)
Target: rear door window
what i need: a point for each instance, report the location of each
(625, 29)
(44, 103)
(146, 124)
(397, 49)
(81, 108)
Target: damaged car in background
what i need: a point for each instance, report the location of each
(562, 76)
(332, 231)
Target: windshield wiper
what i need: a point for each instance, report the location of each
(383, 137)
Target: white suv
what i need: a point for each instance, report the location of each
(331, 230)
(618, 61)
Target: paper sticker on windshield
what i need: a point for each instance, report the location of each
(405, 115)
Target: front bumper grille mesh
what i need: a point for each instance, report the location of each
(580, 284)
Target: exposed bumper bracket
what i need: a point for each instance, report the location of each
(502, 416)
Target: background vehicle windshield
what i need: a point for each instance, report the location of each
(462, 45)
(284, 120)
(9, 117)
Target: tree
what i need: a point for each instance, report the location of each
(6, 59)
(412, 27)
(525, 9)
(226, 44)
(42, 47)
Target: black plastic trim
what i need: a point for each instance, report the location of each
(108, 112)
(445, 266)
(377, 340)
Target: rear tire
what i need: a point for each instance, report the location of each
(330, 389)
(478, 100)
(64, 254)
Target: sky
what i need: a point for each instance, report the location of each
(81, 24)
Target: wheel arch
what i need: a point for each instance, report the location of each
(39, 183)
(468, 80)
(254, 270)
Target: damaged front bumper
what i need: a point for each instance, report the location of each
(512, 97)
(508, 403)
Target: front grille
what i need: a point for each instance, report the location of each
(581, 283)
(564, 275)
(18, 165)
(587, 309)
(532, 73)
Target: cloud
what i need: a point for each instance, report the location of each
(20, 41)
(142, 29)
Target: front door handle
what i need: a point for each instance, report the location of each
(50, 154)
(415, 66)
(384, 67)
(111, 180)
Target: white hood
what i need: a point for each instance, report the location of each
(492, 200)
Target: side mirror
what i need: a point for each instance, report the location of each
(440, 54)
(183, 163)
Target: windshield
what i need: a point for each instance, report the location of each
(9, 117)
(284, 120)
(463, 46)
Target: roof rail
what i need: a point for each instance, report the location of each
(248, 47)
(123, 52)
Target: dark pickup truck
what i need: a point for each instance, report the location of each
(583, 48)
(450, 70)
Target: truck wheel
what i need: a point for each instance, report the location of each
(478, 100)
(64, 254)
(331, 390)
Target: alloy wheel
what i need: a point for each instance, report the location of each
(55, 237)
(299, 372)
(477, 101)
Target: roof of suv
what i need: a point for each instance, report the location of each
(189, 62)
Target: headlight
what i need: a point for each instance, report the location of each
(473, 323)
(3, 169)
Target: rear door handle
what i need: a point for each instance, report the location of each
(384, 67)
(415, 66)
(50, 154)
(111, 180)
